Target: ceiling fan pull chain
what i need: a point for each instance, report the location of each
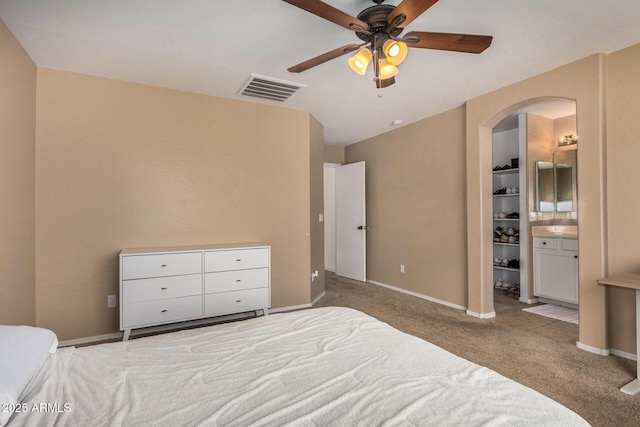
(376, 65)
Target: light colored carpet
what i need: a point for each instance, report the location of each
(536, 351)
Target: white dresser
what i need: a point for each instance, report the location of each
(175, 284)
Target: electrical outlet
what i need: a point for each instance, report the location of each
(320, 217)
(112, 301)
(401, 268)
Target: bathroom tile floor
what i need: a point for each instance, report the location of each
(557, 312)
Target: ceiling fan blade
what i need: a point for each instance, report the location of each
(469, 43)
(382, 83)
(410, 9)
(328, 56)
(329, 13)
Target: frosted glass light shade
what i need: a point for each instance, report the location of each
(386, 70)
(395, 51)
(360, 60)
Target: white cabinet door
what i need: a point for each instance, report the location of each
(556, 275)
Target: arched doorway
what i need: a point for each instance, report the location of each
(524, 135)
(580, 82)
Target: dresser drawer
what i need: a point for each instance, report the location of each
(161, 311)
(237, 259)
(161, 288)
(236, 302)
(234, 280)
(545, 242)
(159, 265)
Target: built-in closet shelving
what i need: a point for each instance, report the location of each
(510, 220)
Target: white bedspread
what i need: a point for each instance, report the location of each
(318, 367)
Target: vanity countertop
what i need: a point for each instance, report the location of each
(568, 231)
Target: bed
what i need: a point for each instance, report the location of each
(316, 367)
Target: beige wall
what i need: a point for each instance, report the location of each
(416, 206)
(334, 154)
(623, 198)
(123, 165)
(17, 182)
(316, 159)
(563, 126)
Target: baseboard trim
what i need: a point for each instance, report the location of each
(482, 315)
(415, 294)
(89, 340)
(591, 349)
(290, 308)
(606, 351)
(175, 326)
(318, 298)
(623, 354)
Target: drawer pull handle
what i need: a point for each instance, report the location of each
(164, 289)
(238, 300)
(164, 311)
(239, 259)
(238, 280)
(163, 265)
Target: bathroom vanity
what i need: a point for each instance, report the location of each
(555, 262)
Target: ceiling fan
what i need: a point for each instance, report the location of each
(379, 27)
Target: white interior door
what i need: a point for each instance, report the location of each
(351, 235)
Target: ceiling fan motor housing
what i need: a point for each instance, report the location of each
(379, 30)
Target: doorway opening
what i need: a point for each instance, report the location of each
(345, 220)
(526, 134)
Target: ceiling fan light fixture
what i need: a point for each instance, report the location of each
(395, 51)
(360, 61)
(386, 70)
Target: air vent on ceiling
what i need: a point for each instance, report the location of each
(258, 86)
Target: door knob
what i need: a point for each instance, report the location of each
(362, 227)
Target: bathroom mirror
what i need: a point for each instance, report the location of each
(566, 191)
(545, 188)
(556, 184)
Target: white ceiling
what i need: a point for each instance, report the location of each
(212, 46)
